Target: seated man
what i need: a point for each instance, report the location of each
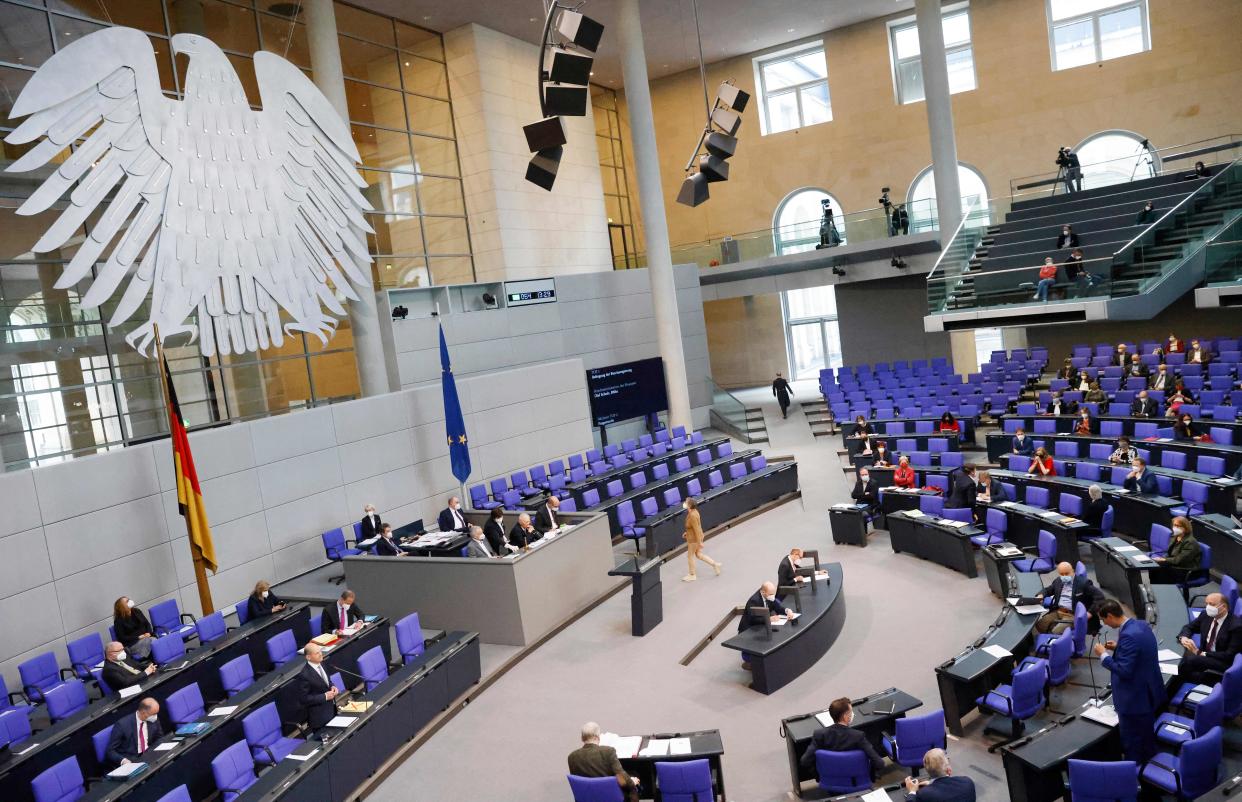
(1144, 407)
(133, 735)
(523, 533)
(1065, 592)
(988, 491)
(386, 546)
(546, 519)
(840, 737)
(787, 571)
(344, 613)
(865, 490)
(1021, 444)
(765, 596)
(593, 760)
(1220, 640)
(1140, 480)
(121, 672)
(478, 545)
(940, 785)
(451, 518)
(1059, 405)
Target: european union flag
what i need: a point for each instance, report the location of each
(454, 424)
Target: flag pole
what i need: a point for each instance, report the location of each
(200, 571)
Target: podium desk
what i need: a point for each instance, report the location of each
(777, 658)
(1225, 537)
(934, 539)
(848, 523)
(997, 567)
(704, 744)
(1025, 522)
(1035, 764)
(646, 596)
(1120, 574)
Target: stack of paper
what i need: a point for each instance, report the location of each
(914, 513)
(342, 721)
(1167, 654)
(1050, 514)
(126, 769)
(824, 719)
(223, 710)
(679, 746)
(626, 745)
(1105, 715)
(954, 524)
(656, 747)
(997, 651)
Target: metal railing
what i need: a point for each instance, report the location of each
(728, 413)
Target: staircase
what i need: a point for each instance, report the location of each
(818, 416)
(731, 416)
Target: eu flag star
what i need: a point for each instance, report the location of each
(461, 440)
(450, 441)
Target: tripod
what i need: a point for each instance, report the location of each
(1061, 177)
(1144, 155)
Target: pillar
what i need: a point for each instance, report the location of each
(651, 204)
(962, 348)
(329, 76)
(939, 108)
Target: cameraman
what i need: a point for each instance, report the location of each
(901, 219)
(1067, 160)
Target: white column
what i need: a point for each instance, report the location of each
(329, 76)
(651, 202)
(939, 115)
(962, 347)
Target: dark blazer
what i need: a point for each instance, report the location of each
(1228, 639)
(962, 493)
(118, 674)
(330, 622)
(839, 738)
(593, 760)
(996, 491)
(1156, 382)
(1073, 269)
(543, 519)
(1026, 448)
(261, 608)
(386, 547)
(130, 628)
(1069, 240)
(1144, 485)
(447, 524)
(756, 600)
(1138, 687)
(786, 572)
(495, 534)
(319, 711)
(123, 743)
(1093, 513)
(1119, 359)
(1144, 408)
(866, 494)
(1204, 355)
(782, 391)
(946, 789)
(1068, 407)
(519, 537)
(886, 457)
(1139, 369)
(1084, 591)
(371, 526)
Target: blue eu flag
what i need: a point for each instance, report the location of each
(454, 424)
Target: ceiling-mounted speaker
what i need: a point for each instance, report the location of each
(565, 101)
(545, 134)
(693, 190)
(714, 168)
(733, 97)
(541, 171)
(580, 29)
(722, 146)
(727, 121)
(570, 68)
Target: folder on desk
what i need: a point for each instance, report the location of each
(326, 639)
(192, 728)
(125, 771)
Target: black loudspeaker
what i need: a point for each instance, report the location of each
(722, 146)
(545, 134)
(733, 97)
(570, 68)
(565, 101)
(727, 121)
(543, 166)
(580, 29)
(715, 169)
(693, 190)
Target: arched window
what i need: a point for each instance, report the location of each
(1114, 157)
(795, 226)
(921, 199)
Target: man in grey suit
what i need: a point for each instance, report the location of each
(478, 546)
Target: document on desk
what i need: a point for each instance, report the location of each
(342, 721)
(1141, 559)
(679, 746)
(1028, 609)
(1168, 668)
(1224, 480)
(301, 757)
(1126, 549)
(132, 690)
(1050, 514)
(223, 710)
(1105, 715)
(825, 719)
(1167, 654)
(875, 796)
(626, 745)
(845, 505)
(656, 747)
(167, 746)
(1007, 504)
(913, 513)
(997, 651)
(954, 524)
(125, 770)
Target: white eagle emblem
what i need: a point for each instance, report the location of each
(218, 209)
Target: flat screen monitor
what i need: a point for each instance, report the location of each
(625, 391)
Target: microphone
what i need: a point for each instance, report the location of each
(1095, 692)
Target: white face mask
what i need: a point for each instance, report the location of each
(863, 477)
(1066, 577)
(344, 606)
(769, 598)
(1212, 610)
(1178, 531)
(121, 655)
(264, 594)
(129, 603)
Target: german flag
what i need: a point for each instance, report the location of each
(189, 495)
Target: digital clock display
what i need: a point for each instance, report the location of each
(530, 291)
(532, 296)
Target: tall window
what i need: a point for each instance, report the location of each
(987, 341)
(921, 200)
(795, 227)
(1114, 157)
(903, 40)
(1086, 31)
(793, 88)
(813, 339)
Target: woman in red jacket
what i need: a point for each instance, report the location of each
(903, 474)
(1042, 465)
(949, 424)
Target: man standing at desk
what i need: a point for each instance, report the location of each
(941, 786)
(593, 760)
(964, 491)
(841, 737)
(1138, 688)
(316, 693)
(451, 518)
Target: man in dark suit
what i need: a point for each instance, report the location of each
(1137, 368)
(1196, 353)
(941, 785)
(765, 596)
(342, 613)
(1059, 405)
(524, 533)
(1120, 357)
(1138, 687)
(1144, 407)
(782, 391)
(593, 760)
(988, 491)
(963, 491)
(370, 522)
(840, 737)
(1093, 513)
(386, 546)
(1161, 380)
(133, 735)
(547, 519)
(1220, 640)
(865, 490)
(787, 571)
(121, 672)
(1021, 444)
(494, 531)
(1064, 594)
(316, 693)
(451, 518)
(1140, 480)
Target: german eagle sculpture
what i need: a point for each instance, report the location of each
(213, 208)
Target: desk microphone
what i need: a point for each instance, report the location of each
(1095, 692)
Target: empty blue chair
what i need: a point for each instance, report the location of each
(659, 449)
(233, 771)
(1066, 449)
(1213, 466)
(166, 617)
(912, 737)
(1195, 494)
(931, 505)
(556, 486)
(725, 449)
(167, 648)
(1173, 459)
(942, 482)
(997, 524)
(758, 463)
(479, 499)
(590, 498)
(186, 705)
(14, 726)
(1017, 701)
(843, 772)
(1191, 773)
(1045, 559)
(702, 456)
(236, 675)
(1056, 665)
(1158, 540)
(714, 479)
(1070, 504)
(629, 445)
(8, 700)
(614, 488)
(660, 472)
(556, 466)
(372, 667)
(523, 485)
(178, 794)
(737, 470)
(685, 781)
(619, 461)
(268, 745)
(99, 742)
(511, 500)
(498, 487)
(678, 443)
(611, 450)
(282, 648)
(335, 547)
(626, 520)
(1173, 730)
(39, 675)
(1087, 471)
(964, 514)
(66, 699)
(672, 497)
(63, 782)
(85, 653)
(595, 789)
(648, 507)
(693, 488)
(210, 627)
(638, 479)
(1103, 781)
(952, 459)
(539, 476)
(569, 505)
(576, 461)
(679, 431)
(410, 642)
(681, 464)
(1037, 496)
(696, 438)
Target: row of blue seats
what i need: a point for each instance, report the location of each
(1113, 428)
(1147, 346)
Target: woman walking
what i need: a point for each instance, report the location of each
(694, 540)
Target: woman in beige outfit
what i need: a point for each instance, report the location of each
(694, 540)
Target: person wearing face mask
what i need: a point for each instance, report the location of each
(1184, 428)
(903, 475)
(1197, 353)
(1067, 371)
(1047, 277)
(1042, 464)
(1220, 640)
(962, 492)
(316, 693)
(1138, 685)
(1060, 405)
(1085, 424)
(386, 546)
(370, 522)
(1140, 480)
(1093, 512)
(121, 672)
(1161, 380)
(1021, 444)
(990, 491)
(863, 430)
(494, 531)
(841, 737)
(1067, 238)
(1095, 394)
(1146, 216)
(694, 540)
(1121, 357)
(865, 490)
(262, 601)
(133, 628)
(1175, 345)
(1083, 382)
(524, 533)
(765, 596)
(883, 458)
(1137, 368)
(1183, 557)
(451, 518)
(1144, 407)
(133, 735)
(1062, 596)
(1124, 453)
(342, 613)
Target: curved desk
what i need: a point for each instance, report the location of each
(940, 540)
(998, 445)
(777, 658)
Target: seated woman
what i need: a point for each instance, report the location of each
(1042, 465)
(1183, 428)
(1095, 395)
(1124, 454)
(883, 457)
(1183, 557)
(949, 424)
(864, 430)
(1084, 422)
(903, 475)
(262, 601)
(1067, 370)
(133, 628)
(1083, 383)
(1175, 399)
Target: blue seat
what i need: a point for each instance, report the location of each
(1037, 496)
(85, 653)
(736, 471)
(99, 742)
(614, 488)
(539, 476)
(242, 609)
(410, 642)
(1231, 680)
(167, 618)
(1046, 559)
(997, 524)
(1195, 494)
(964, 514)
(178, 794)
(66, 699)
(590, 498)
(843, 772)
(39, 675)
(336, 548)
(627, 521)
(282, 648)
(1057, 663)
(233, 771)
(1019, 700)
(1213, 466)
(1103, 781)
(268, 745)
(63, 782)
(569, 505)
(1197, 579)
(1191, 773)
(931, 505)
(186, 705)
(372, 667)
(210, 627)
(8, 700)
(1070, 504)
(14, 726)
(684, 781)
(912, 737)
(168, 648)
(595, 789)
(672, 497)
(236, 675)
(479, 499)
(1173, 730)
(1228, 589)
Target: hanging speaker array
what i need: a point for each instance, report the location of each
(717, 142)
(566, 55)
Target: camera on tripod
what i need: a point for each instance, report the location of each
(829, 237)
(884, 201)
(1063, 159)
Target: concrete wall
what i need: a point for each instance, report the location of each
(76, 535)
(518, 230)
(881, 321)
(753, 359)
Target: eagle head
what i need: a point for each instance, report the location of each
(209, 70)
